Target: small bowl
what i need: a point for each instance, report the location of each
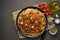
(55, 31)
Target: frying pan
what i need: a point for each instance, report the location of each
(33, 7)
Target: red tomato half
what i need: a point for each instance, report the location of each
(25, 24)
(32, 27)
(21, 23)
(31, 18)
(36, 22)
(36, 30)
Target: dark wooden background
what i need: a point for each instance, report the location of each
(7, 28)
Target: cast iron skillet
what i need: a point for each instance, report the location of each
(33, 7)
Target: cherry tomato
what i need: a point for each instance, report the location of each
(21, 23)
(45, 6)
(44, 10)
(26, 24)
(40, 15)
(32, 27)
(36, 30)
(41, 6)
(31, 18)
(47, 9)
(47, 14)
(36, 22)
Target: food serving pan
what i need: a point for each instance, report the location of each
(33, 7)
